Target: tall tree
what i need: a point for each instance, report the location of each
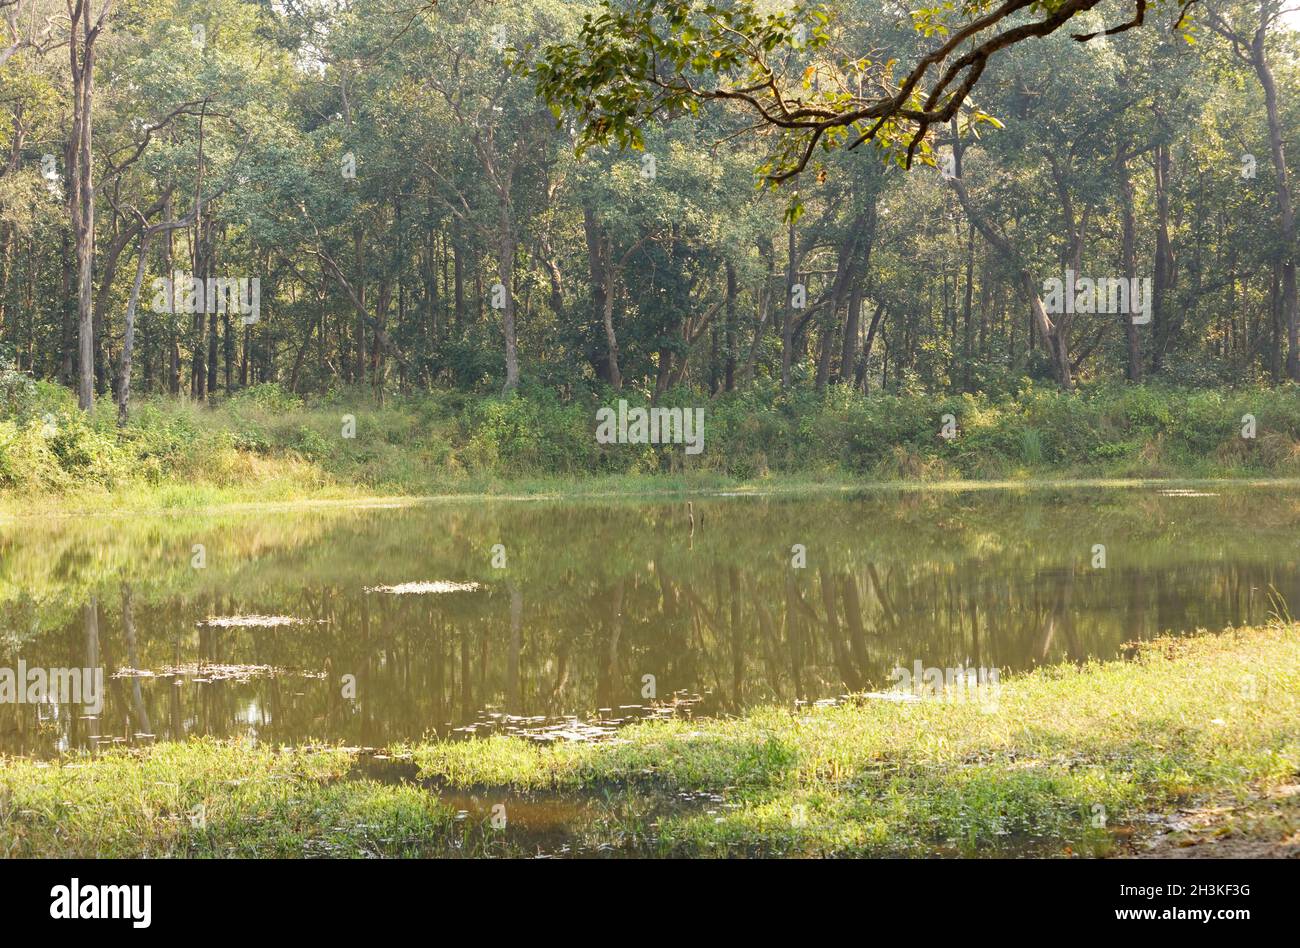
(85, 27)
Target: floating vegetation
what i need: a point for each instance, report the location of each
(899, 696)
(242, 622)
(425, 588)
(212, 671)
(573, 729)
(541, 729)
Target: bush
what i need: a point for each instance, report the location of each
(413, 442)
(270, 397)
(18, 395)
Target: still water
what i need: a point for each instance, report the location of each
(556, 619)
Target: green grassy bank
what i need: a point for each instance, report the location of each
(265, 445)
(1068, 760)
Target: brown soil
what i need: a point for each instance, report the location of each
(1265, 825)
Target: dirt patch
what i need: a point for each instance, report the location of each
(1265, 825)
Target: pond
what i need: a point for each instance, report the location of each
(561, 620)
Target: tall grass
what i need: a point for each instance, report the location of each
(267, 439)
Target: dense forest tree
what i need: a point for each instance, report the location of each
(642, 195)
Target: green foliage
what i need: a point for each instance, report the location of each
(429, 443)
(518, 435)
(268, 397)
(17, 393)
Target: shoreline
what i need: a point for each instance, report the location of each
(936, 778)
(608, 487)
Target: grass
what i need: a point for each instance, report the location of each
(265, 445)
(1068, 760)
(207, 798)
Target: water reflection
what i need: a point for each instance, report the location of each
(294, 630)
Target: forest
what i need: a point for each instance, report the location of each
(649, 428)
(198, 198)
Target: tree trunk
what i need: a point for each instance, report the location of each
(1163, 329)
(1128, 260)
(82, 54)
(597, 262)
(1052, 334)
(729, 335)
(852, 327)
(1290, 316)
(128, 335)
(968, 331)
(860, 378)
(612, 371)
(505, 273)
(67, 360)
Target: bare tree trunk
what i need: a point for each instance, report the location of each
(611, 340)
(84, 31)
(173, 338)
(1128, 259)
(359, 365)
(199, 270)
(458, 282)
(505, 273)
(596, 264)
(968, 331)
(67, 360)
(764, 317)
(852, 329)
(128, 336)
(860, 378)
(827, 347)
(729, 336)
(213, 341)
(1164, 262)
